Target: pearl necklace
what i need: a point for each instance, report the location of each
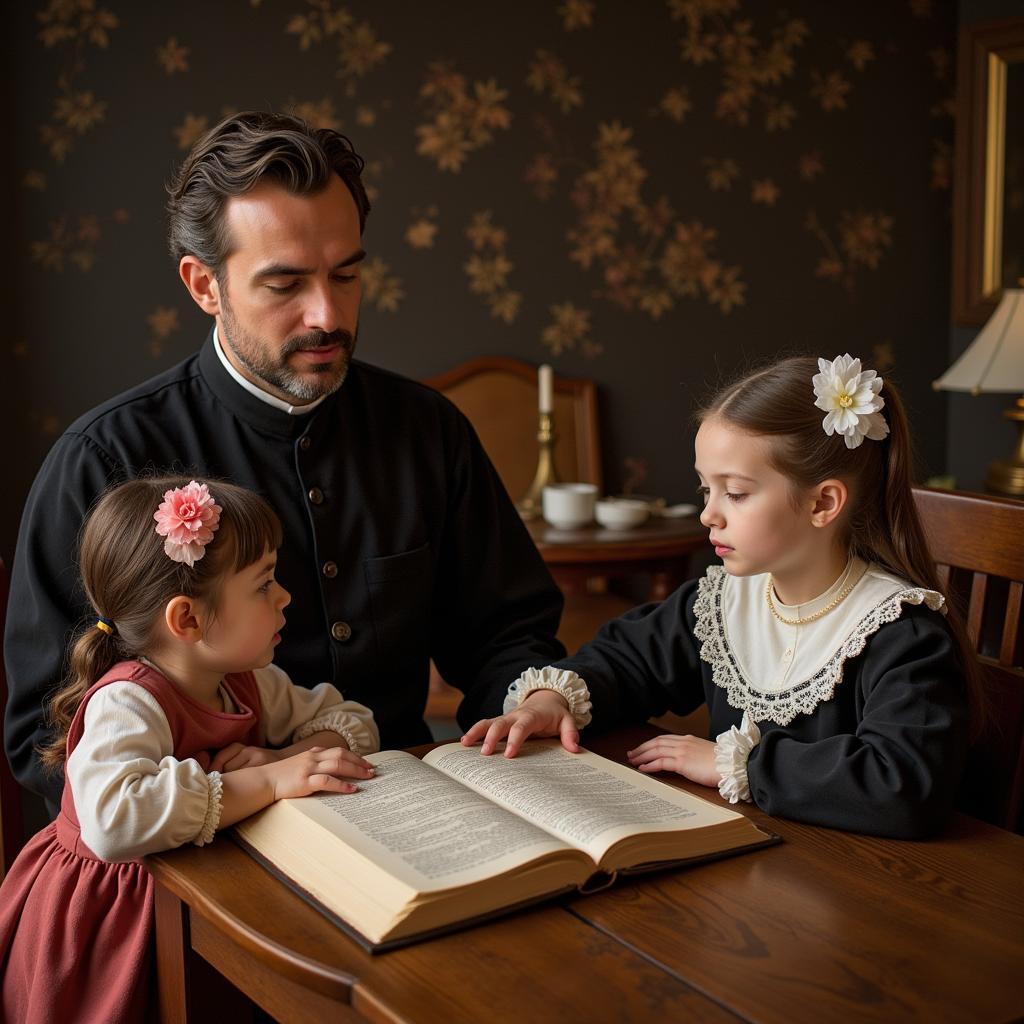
(835, 602)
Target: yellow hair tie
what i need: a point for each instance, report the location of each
(107, 627)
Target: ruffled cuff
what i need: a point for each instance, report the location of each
(562, 681)
(732, 750)
(213, 808)
(348, 726)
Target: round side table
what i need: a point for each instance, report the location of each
(661, 547)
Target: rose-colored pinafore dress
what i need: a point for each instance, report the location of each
(75, 930)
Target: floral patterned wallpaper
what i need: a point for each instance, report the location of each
(649, 193)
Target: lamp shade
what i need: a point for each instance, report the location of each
(994, 361)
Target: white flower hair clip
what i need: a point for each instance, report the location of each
(850, 398)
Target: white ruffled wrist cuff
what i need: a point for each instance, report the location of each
(213, 809)
(346, 725)
(562, 681)
(732, 751)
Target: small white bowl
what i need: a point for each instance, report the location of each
(621, 513)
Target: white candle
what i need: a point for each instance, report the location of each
(544, 382)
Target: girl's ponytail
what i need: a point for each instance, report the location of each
(888, 529)
(899, 539)
(93, 654)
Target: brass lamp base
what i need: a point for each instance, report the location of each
(1007, 475)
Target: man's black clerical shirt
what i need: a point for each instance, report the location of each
(400, 542)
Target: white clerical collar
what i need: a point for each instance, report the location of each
(263, 396)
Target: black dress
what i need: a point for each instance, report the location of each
(873, 741)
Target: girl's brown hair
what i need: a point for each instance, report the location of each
(128, 579)
(881, 522)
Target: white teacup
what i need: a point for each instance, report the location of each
(569, 506)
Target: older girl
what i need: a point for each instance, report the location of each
(839, 687)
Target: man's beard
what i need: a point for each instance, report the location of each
(273, 369)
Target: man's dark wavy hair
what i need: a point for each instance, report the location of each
(235, 156)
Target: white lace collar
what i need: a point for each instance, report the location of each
(776, 672)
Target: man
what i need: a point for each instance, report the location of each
(400, 541)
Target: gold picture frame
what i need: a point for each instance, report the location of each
(986, 52)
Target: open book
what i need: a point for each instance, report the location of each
(439, 843)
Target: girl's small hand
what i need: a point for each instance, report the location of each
(317, 770)
(543, 713)
(690, 756)
(238, 755)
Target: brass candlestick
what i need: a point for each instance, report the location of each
(529, 505)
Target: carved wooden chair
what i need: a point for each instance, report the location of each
(977, 542)
(498, 395)
(10, 792)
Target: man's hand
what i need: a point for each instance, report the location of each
(690, 756)
(543, 713)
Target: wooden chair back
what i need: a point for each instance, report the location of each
(499, 397)
(11, 829)
(977, 542)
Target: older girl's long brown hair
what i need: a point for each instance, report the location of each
(128, 580)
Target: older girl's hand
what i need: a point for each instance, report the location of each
(543, 713)
(690, 756)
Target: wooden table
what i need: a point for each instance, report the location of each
(661, 547)
(825, 926)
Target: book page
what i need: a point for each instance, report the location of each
(426, 829)
(584, 798)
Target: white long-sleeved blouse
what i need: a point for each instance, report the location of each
(133, 797)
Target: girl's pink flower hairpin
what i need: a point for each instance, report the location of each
(187, 519)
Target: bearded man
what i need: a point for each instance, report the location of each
(400, 543)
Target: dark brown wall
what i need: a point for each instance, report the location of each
(649, 193)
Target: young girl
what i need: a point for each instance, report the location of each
(163, 732)
(837, 684)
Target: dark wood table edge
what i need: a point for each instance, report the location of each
(178, 892)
